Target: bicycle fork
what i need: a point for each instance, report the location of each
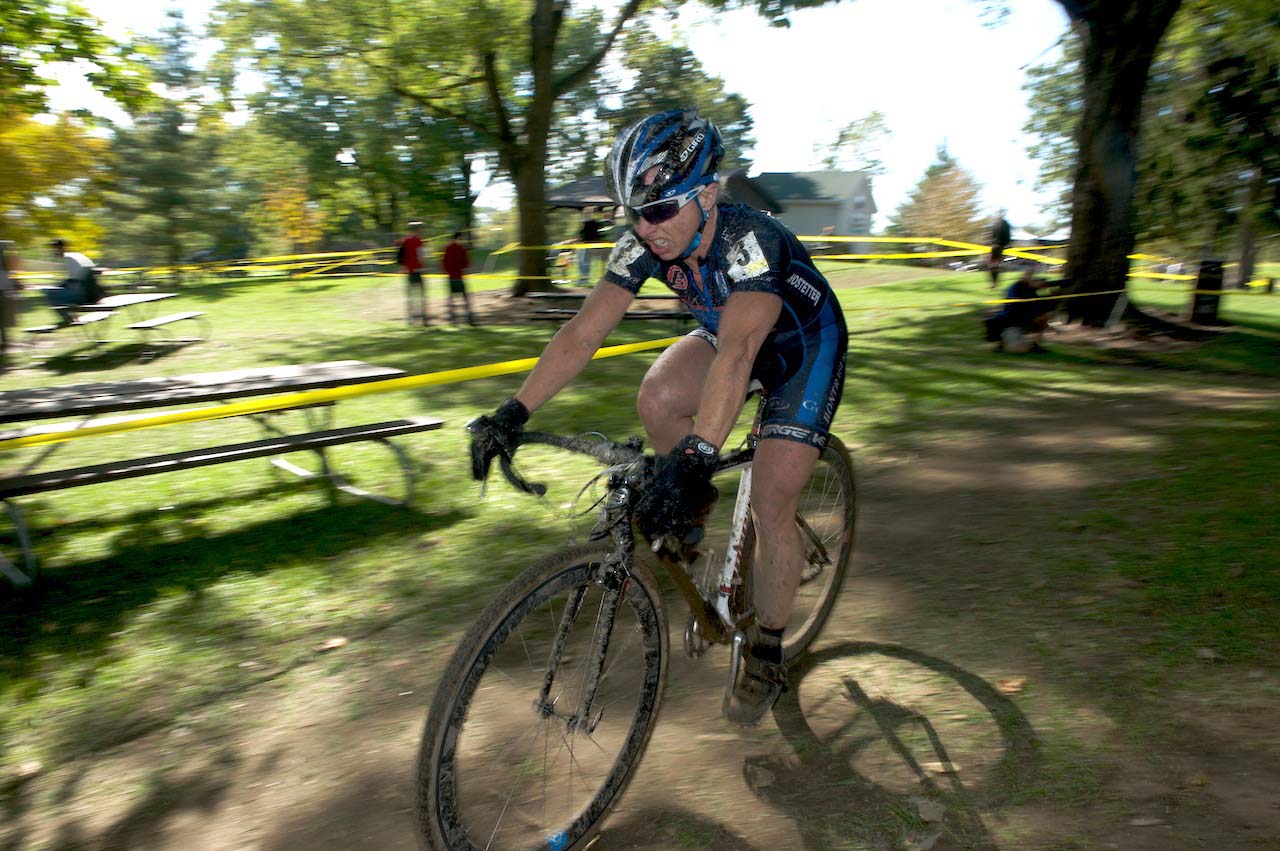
(612, 576)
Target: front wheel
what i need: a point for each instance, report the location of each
(509, 759)
(826, 519)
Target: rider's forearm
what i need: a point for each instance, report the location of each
(722, 395)
(568, 353)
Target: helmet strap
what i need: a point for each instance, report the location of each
(697, 237)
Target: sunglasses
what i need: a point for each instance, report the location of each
(657, 212)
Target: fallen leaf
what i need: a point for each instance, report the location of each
(1237, 572)
(940, 767)
(1197, 779)
(925, 843)
(333, 644)
(1011, 685)
(759, 778)
(1146, 822)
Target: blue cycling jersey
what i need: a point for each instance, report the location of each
(750, 252)
(801, 363)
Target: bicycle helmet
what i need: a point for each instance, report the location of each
(685, 147)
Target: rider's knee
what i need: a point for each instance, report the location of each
(772, 514)
(656, 402)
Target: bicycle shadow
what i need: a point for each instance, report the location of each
(869, 736)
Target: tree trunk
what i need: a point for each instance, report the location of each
(1247, 237)
(1119, 38)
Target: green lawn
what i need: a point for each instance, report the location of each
(160, 593)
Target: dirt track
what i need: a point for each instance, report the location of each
(951, 647)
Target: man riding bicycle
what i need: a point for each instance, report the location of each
(765, 314)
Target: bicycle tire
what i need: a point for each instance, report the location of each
(456, 725)
(833, 517)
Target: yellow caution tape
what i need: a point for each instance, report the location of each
(313, 397)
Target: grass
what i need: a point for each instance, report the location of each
(162, 595)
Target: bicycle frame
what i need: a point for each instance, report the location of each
(713, 621)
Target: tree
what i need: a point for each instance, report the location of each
(667, 75)
(34, 33)
(1118, 41)
(161, 182)
(497, 68)
(51, 180)
(857, 145)
(944, 202)
(1209, 127)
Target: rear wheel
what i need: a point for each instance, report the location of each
(826, 520)
(498, 768)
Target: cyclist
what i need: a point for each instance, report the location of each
(766, 314)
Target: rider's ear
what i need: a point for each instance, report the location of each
(708, 196)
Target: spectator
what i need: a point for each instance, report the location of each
(1001, 236)
(589, 232)
(455, 261)
(1025, 313)
(409, 256)
(75, 289)
(9, 287)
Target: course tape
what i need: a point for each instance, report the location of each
(313, 397)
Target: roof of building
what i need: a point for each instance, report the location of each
(815, 185)
(590, 192)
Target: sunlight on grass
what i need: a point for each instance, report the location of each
(160, 595)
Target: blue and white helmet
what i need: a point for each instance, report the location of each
(685, 147)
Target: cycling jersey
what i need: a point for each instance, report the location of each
(801, 363)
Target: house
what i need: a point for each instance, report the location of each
(821, 202)
(590, 192)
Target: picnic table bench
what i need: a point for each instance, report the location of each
(91, 318)
(558, 313)
(89, 400)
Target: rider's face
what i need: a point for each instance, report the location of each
(668, 239)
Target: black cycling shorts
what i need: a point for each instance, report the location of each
(802, 380)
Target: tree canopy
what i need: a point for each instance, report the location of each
(35, 33)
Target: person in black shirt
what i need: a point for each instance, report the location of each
(1001, 236)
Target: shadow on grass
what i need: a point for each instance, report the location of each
(865, 808)
(167, 794)
(74, 610)
(95, 357)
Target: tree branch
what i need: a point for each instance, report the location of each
(575, 78)
(504, 134)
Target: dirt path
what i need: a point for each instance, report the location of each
(952, 703)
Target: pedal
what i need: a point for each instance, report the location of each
(738, 647)
(695, 644)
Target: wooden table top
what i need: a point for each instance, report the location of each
(69, 400)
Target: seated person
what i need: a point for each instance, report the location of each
(75, 288)
(1020, 317)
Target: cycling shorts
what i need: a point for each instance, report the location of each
(802, 380)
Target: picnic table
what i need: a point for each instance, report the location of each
(678, 313)
(137, 308)
(87, 401)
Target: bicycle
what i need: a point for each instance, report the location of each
(545, 708)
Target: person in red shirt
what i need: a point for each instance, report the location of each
(455, 262)
(409, 256)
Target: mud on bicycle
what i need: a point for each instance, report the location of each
(548, 703)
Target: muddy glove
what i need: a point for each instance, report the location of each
(496, 434)
(681, 493)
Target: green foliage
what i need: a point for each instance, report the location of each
(51, 180)
(943, 203)
(37, 32)
(666, 75)
(1211, 137)
(164, 184)
(857, 145)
